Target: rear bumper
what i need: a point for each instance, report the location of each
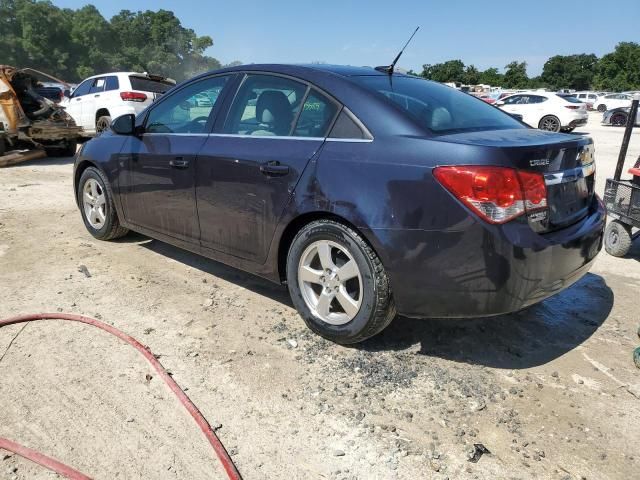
(483, 270)
(578, 122)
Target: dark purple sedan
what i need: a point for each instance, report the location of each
(369, 194)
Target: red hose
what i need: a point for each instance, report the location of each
(61, 469)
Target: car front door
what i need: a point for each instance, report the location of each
(247, 171)
(160, 190)
(74, 105)
(519, 104)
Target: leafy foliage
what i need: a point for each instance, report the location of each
(74, 44)
(570, 71)
(616, 71)
(619, 70)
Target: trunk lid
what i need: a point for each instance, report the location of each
(566, 161)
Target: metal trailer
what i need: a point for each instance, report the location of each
(622, 198)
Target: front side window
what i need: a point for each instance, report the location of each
(515, 100)
(265, 105)
(188, 110)
(316, 116)
(98, 85)
(83, 88)
(436, 107)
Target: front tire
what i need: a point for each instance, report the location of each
(95, 199)
(550, 123)
(338, 284)
(619, 120)
(617, 238)
(103, 124)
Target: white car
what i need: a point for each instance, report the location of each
(587, 97)
(611, 101)
(546, 111)
(100, 98)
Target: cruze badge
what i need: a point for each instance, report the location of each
(539, 162)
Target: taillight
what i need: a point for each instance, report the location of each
(497, 194)
(572, 107)
(133, 96)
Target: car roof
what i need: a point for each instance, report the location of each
(306, 69)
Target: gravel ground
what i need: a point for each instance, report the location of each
(551, 393)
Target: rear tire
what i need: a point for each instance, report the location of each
(550, 123)
(617, 238)
(368, 286)
(602, 108)
(97, 208)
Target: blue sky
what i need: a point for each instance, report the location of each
(484, 33)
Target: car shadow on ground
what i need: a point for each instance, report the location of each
(253, 283)
(525, 339)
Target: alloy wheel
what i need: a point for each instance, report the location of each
(330, 282)
(551, 124)
(94, 203)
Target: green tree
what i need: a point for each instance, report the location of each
(74, 44)
(450, 71)
(570, 71)
(471, 75)
(491, 76)
(515, 75)
(619, 70)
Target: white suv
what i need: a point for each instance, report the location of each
(100, 98)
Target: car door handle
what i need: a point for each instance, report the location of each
(179, 162)
(96, 96)
(274, 168)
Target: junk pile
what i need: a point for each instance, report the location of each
(31, 126)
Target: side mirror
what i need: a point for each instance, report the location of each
(124, 125)
(499, 103)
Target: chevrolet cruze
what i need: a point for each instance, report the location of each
(368, 193)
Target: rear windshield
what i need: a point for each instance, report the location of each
(439, 108)
(148, 85)
(570, 99)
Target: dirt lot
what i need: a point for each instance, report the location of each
(552, 392)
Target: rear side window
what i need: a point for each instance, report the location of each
(436, 107)
(266, 105)
(347, 127)
(145, 84)
(112, 83)
(316, 116)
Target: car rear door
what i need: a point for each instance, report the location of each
(248, 169)
(160, 190)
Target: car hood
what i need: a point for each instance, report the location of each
(519, 137)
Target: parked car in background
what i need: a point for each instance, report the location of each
(100, 98)
(618, 117)
(53, 93)
(547, 111)
(487, 98)
(366, 192)
(611, 101)
(587, 97)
